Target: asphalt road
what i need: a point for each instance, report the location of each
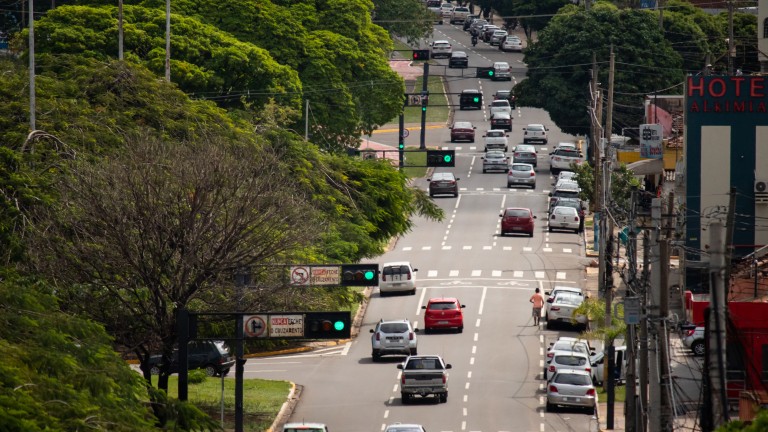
(496, 381)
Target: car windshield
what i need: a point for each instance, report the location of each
(495, 134)
(568, 299)
(566, 193)
(572, 379)
(393, 328)
(567, 345)
(569, 360)
(517, 213)
(443, 306)
(404, 429)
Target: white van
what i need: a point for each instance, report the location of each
(496, 139)
(620, 365)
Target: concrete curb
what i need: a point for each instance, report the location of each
(287, 408)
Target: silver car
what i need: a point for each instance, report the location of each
(495, 161)
(393, 337)
(497, 36)
(525, 154)
(694, 339)
(570, 387)
(521, 174)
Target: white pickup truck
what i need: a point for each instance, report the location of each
(424, 375)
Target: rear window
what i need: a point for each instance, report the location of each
(566, 193)
(423, 363)
(520, 168)
(443, 306)
(394, 328)
(567, 153)
(396, 270)
(535, 128)
(561, 210)
(500, 103)
(562, 346)
(573, 379)
(569, 360)
(517, 213)
(569, 299)
(495, 134)
(462, 125)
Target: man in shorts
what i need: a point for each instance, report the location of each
(538, 303)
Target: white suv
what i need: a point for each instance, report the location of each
(397, 277)
(500, 105)
(441, 48)
(535, 133)
(393, 337)
(562, 158)
(501, 71)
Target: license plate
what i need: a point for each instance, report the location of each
(396, 284)
(517, 228)
(442, 322)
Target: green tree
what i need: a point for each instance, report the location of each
(693, 33)
(60, 372)
(539, 14)
(559, 64)
(622, 182)
(758, 424)
(744, 31)
(407, 19)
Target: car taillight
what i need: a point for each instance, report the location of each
(444, 379)
(554, 308)
(409, 275)
(550, 355)
(410, 336)
(517, 154)
(553, 389)
(402, 379)
(588, 369)
(551, 368)
(533, 174)
(591, 392)
(383, 277)
(690, 332)
(378, 336)
(576, 219)
(451, 182)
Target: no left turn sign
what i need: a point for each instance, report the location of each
(300, 275)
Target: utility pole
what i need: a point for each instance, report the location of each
(731, 49)
(424, 93)
(609, 108)
(716, 348)
(32, 102)
(643, 340)
(654, 379)
(729, 225)
(630, 408)
(665, 417)
(120, 30)
(401, 142)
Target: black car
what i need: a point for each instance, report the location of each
(458, 59)
(443, 183)
(468, 21)
(505, 95)
(213, 356)
(501, 120)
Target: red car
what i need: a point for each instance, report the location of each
(463, 130)
(517, 221)
(443, 313)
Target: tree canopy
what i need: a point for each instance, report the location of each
(560, 63)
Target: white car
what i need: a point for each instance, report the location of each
(562, 308)
(564, 218)
(441, 48)
(567, 344)
(619, 364)
(447, 9)
(405, 427)
(397, 276)
(694, 339)
(565, 175)
(305, 427)
(496, 139)
(562, 158)
(459, 14)
(568, 359)
(499, 106)
(555, 291)
(535, 133)
(501, 71)
(511, 43)
(497, 36)
(393, 337)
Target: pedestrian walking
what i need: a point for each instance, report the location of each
(538, 303)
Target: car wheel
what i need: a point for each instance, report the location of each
(210, 370)
(530, 234)
(533, 186)
(472, 140)
(382, 293)
(444, 397)
(460, 329)
(413, 291)
(455, 194)
(503, 233)
(549, 325)
(375, 355)
(431, 194)
(591, 411)
(698, 348)
(453, 140)
(155, 370)
(405, 397)
(414, 351)
(550, 229)
(550, 407)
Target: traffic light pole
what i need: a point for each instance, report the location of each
(424, 93)
(401, 140)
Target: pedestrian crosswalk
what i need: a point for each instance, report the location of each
(505, 274)
(563, 250)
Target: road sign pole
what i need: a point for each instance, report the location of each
(424, 92)
(401, 142)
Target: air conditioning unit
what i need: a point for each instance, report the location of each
(761, 191)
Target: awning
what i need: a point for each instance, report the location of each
(647, 167)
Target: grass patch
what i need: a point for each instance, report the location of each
(620, 393)
(400, 45)
(589, 223)
(262, 400)
(437, 111)
(415, 158)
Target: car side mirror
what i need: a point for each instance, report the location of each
(550, 300)
(423, 307)
(581, 155)
(501, 215)
(534, 216)
(474, 127)
(525, 129)
(416, 330)
(429, 179)
(483, 136)
(507, 136)
(547, 292)
(415, 270)
(457, 179)
(372, 331)
(550, 194)
(400, 366)
(463, 306)
(448, 366)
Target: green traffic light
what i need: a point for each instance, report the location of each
(490, 73)
(423, 108)
(447, 158)
(401, 146)
(338, 325)
(368, 275)
(476, 100)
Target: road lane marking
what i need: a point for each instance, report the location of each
(426, 248)
(446, 248)
(517, 274)
(482, 304)
(560, 275)
(547, 249)
(539, 275)
(496, 273)
(475, 338)
(386, 413)
(567, 250)
(466, 386)
(407, 248)
(507, 248)
(472, 360)
(477, 323)
(474, 349)
(432, 273)
(476, 273)
(469, 374)
(467, 248)
(453, 273)
(466, 397)
(527, 249)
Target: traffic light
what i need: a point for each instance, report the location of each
(484, 72)
(441, 158)
(327, 325)
(424, 102)
(359, 274)
(421, 54)
(401, 146)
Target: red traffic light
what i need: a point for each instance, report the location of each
(421, 54)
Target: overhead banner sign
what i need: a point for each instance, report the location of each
(651, 143)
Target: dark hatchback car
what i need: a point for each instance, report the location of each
(576, 203)
(463, 130)
(501, 120)
(505, 95)
(443, 183)
(213, 356)
(458, 59)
